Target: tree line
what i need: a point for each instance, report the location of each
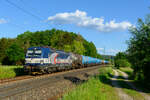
(138, 53)
(12, 50)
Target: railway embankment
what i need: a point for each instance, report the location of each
(109, 84)
(98, 87)
(50, 86)
(93, 83)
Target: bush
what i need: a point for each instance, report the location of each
(122, 63)
(11, 71)
(14, 55)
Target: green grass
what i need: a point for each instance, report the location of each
(96, 88)
(127, 70)
(10, 71)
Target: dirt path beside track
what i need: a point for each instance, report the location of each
(147, 97)
(122, 95)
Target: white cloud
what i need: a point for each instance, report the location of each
(2, 21)
(114, 51)
(100, 49)
(108, 51)
(80, 18)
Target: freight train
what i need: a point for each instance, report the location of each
(48, 60)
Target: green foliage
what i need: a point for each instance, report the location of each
(90, 49)
(14, 55)
(120, 55)
(67, 48)
(139, 49)
(12, 51)
(4, 44)
(10, 71)
(99, 56)
(78, 47)
(121, 60)
(122, 63)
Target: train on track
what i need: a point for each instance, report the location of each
(47, 60)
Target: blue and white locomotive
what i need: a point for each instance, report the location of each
(47, 60)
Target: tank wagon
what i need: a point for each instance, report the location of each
(47, 60)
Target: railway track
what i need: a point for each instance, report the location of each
(19, 78)
(2, 81)
(18, 85)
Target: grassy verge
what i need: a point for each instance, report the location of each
(127, 88)
(10, 71)
(139, 84)
(96, 88)
(127, 70)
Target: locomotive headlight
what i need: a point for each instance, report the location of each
(28, 61)
(41, 61)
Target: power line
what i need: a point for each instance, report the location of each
(33, 9)
(23, 10)
(26, 11)
(16, 25)
(38, 13)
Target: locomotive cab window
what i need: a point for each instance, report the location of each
(29, 51)
(33, 53)
(37, 53)
(62, 56)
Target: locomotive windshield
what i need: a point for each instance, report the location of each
(33, 53)
(62, 56)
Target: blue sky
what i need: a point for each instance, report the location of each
(104, 22)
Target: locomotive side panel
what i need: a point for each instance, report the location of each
(45, 59)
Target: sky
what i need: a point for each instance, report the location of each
(103, 22)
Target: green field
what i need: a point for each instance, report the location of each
(96, 88)
(10, 71)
